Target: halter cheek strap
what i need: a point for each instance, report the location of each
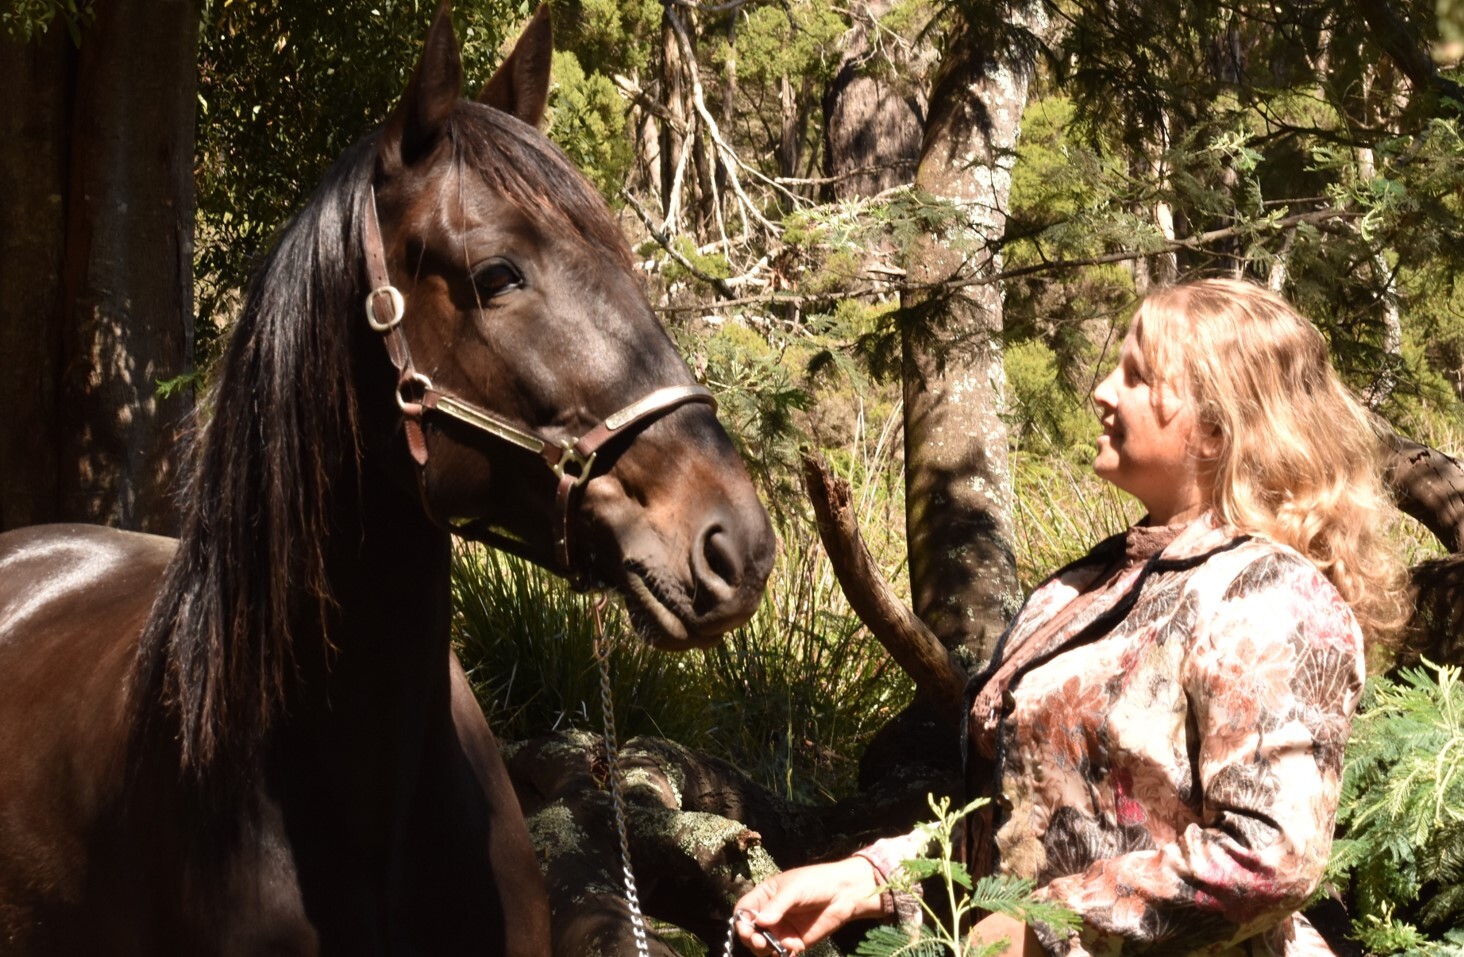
(570, 460)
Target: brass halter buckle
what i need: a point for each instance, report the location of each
(573, 464)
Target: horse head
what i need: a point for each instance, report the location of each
(544, 406)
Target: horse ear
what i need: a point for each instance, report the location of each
(418, 122)
(520, 85)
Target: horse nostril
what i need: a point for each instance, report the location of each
(714, 560)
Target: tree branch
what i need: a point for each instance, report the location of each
(664, 242)
(939, 680)
(1316, 217)
(729, 159)
(1427, 485)
(1406, 48)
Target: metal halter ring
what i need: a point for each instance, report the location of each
(572, 457)
(415, 377)
(398, 308)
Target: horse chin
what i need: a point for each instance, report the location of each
(655, 619)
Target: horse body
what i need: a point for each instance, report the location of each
(256, 740)
(380, 819)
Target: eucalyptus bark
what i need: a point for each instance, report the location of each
(96, 280)
(958, 484)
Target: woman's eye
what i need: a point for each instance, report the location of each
(496, 277)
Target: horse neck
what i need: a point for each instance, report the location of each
(367, 701)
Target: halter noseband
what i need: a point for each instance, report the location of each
(571, 460)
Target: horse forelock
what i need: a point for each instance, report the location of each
(281, 430)
(523, 166)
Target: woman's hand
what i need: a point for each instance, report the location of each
(803, 906)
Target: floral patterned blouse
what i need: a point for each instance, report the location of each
(1170, 747)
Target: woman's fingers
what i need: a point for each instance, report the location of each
(798, 908)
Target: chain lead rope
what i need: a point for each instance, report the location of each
(617, 796)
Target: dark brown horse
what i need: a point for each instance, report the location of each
(255, 739)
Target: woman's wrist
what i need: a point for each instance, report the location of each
(882, 901)
(863, 881)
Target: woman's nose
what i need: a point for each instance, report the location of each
(1103, 392)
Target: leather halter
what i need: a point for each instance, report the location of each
(571, 460)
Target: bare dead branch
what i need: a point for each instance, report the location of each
(939, 680)
(1427, 485)
(731, 163)
(664, 242)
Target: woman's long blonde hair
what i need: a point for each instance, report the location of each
(1299, 460)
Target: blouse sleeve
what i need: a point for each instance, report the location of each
(1272, 678)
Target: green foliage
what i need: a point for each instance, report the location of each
(711, 265)
(1381, 933)
(1067, 204)
(1402, 810)
(1062, 508)
(527, 643)
(797, 693)
(1045, 417)
(178, 385)
(587, 120)
(996, 894)
(608, 36)
(797, 40)
(25, 20)
(761, 398)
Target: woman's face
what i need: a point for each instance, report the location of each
(1149, 446)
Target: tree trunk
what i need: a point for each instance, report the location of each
(1427, 485)
(96, 292)
(32, 237)
(958, 497)
(790, 139)
(673, 129)
(872, 122)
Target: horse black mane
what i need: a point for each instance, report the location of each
(282, 438)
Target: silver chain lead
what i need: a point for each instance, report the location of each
(617, 798)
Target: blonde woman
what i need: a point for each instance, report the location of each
(1164, 721)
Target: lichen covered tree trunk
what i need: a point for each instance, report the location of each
(958, 485)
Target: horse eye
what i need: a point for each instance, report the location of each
(496, 277)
